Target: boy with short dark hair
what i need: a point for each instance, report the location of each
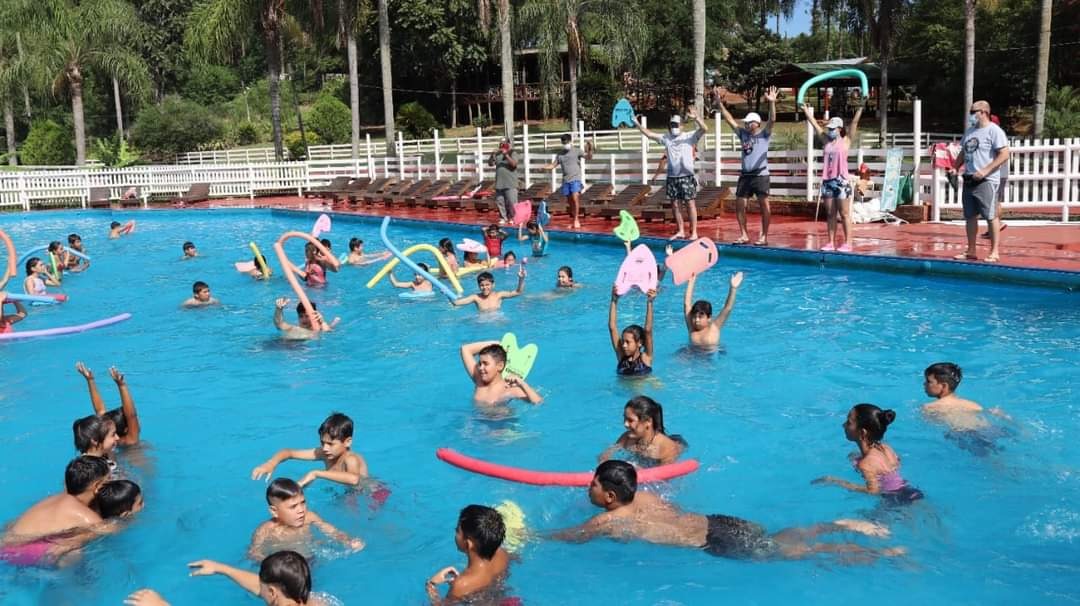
(703, 328)
(200, 296)
(342, 464)
(189, 250)
(291, 521)
(493, 240)
(940, 381)
(306, 327)
(114, 230)
(489, 299)
(479, 534)
(484, 362)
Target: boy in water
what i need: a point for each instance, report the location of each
(488, 299)
(703, 328)
(479, 534)
(290, 523)
(6, 320)
(644, 516)
(484, 362)
(357, 256)
(114, 230)
(342, 464)
(419, 283)
(200, 296)
(73, 263)
(493, 240)
(189, 250)
(306, 328)
(940, 382)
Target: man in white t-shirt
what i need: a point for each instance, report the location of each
(681, 182)
(983, 150)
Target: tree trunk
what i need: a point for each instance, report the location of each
(25, 91)
(273, 65)
(573, 93)
(1043, 67)
(387, 77)
(883, 100)
(75, 83)
(507, 63)
(119, 109)
(815, 17)
(453, 103)
(354, 93)
(9, 129)
(969, 59)
(699, 57)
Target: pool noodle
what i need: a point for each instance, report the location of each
(450, 294)
(553, 478)
(392, 263)
(63, 330)
(44, 299)
(836, 73)
(26, 255)
(291, 275)
(260, 260)
(11, 268)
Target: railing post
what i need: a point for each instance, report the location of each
(401, 155)
(581, 138)
(917, 151)
(1066, 183)
(251, 182)
(644, 153)
(23, 194)
(554, 183)
(419, 167)
(86, 177)
(618, 133)
(526, 155)
(458, 162)
(936, 194)
(370, 159)
(611, 168)
(717, 152)
(438, 157)
(479, 154)
(809, 162)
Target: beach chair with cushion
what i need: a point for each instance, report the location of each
(454, 192)
(198, 192)
(629, 199)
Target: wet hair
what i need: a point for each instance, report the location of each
(568, 270)
(355, 243)
(301, 311)
(874, 420)
(116, 497)
(483, 526)
(508, 254)
(289, 572)
(446, 245)
(83, 471)
(566, 138)
(30, 263)
(620, 478)
(281, 489)
(188, 245)
(73, 238)
(701, 306)
(255, 260)
(531, 224)
(945, 372)
(494, 350)
(114, 225)
(196, 287)
(310, 250)
(89, 431)
(116, 415)
(647, 408)
(423, 266)
(485, 275)
(337, 426)
(638, 332)
(55, 246)
(326, 242)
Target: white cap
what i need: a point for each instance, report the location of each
(675, 119)
(834, 122)
(752, 117)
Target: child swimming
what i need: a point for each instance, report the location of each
(357, 256)
(118, 499)
(37, 277)
(256, 271)
(479, 535)
(446, 246)
(200, 296)
(564, 278)
(484, 362)
(75, 264)
(290, 523)
(968, 426)
(57, 259)
(125, 419)
(284, 579)
(7, 320)
(114, 230)
(703, 328)
(189, 250)
(314, 273)
(342, 465)
(419, 283)
(488, 299)
(537, 236)
(877, 462)
(306, 327)
(630, 514)
(634, 345)
(645, 436)
(493, 240)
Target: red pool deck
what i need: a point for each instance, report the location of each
(1026, 245)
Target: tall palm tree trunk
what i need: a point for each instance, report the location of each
(119, 108)
(699, 55)
(1044, 65)
(273, 69)
(9, 130)
(354, 94)
(25, 90)
(507, 61)
(969, 57)
(75, 83)
(387, 77)
(573, 92)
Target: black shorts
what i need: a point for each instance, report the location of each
(752, 185)
(731, 537)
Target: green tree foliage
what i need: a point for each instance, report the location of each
(48, 144)
(1062, 112)
(329, 119)
(163, 44)
(211, 84)
(294, 143)
(114, 152)
(246, 133)
(175, 126)
(753, 56)
(416, 121)
(597, 94)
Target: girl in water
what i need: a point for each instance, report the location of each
(835, 189)
(313, 274)
(876, 461)
(565, 278)
(37, 277)
(125, 419)
(446, 245)
(643, 418)
(634, 345)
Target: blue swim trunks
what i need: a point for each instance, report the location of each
(571, 187)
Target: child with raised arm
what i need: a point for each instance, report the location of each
(284, 579)
(569, 161)
(479, 534)
(703, 328)
(493, 240)
(6, 320)
(200, 296)
(342, 465)
(125, 419)
(968, 425)
(634, 345)
(645, 437)
(37, 277)
(306, 327)
(419, 283)
(537, 236)
(357, 256)
(489, 299)
(290, 523)
(484, 363)
(115, 230)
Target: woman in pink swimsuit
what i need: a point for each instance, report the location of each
(835, 186)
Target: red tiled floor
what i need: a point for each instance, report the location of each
(1033, 246)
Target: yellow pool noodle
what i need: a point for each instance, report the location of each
(392, 263)
(260, 260)
(514, 520)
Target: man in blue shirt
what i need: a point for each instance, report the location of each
(983, 150)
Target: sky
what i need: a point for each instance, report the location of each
(799, 22)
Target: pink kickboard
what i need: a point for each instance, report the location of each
(244, 266)
(692, 260)
(638, 269)
(322, 226)
(470, 245)
(522, 212)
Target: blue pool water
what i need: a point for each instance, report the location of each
(218, 393)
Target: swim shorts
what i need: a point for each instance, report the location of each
(979, 198)
(681, 188)
(838, 189)
(571, 187)
(731, 537)
(752, 185)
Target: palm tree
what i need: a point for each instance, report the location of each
(387, 77)
(216, 29)
(68, 37)
(969, 57)
(699, 57)
(506, 56)
(1044, 65)
(12, 77)
(883, 18)
(347, 22)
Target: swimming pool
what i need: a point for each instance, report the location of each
(218, 393)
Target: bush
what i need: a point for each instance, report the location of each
(1062, 113)
(247, 133)
(415, 121)
(114, 152)
(295, 144)
(482, 121)
(597, 94)
(175, 126)
(211, 84)
(331, 120)
(47, 144)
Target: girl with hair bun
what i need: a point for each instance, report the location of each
(877, 462)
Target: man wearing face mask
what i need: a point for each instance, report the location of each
(506, 180)
(569, 160)
(754, 173)
(983, 150)
(681, 182)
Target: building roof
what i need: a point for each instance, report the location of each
(794, 74)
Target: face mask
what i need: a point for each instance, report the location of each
(566, 147)
(973, 120)
(675, 131)
(832, 134)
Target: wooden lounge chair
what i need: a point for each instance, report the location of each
(198, 192)
(99, 198)
(376, 188)
(710, 201)
(485, 186)
(454, 192)
(388, 193)
(537, 192)
(399, 198)
(653, 204)
(434, 188)
(596, 198)
(629, 199)
(349, 191)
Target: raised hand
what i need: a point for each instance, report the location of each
(281, 302)
(84, 371)
(772, 95)
(116, 375)
(736, 279)
(651, 295)
(263, 471)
